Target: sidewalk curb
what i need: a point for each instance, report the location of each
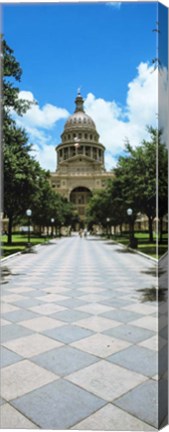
(11, 256)
(24, 250)
(18, 253)
(137, 252)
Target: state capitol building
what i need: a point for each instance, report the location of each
(80, 160)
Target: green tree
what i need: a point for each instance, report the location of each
(12, 73)
(20, 177)
(99, 208)
(19, 168)
(134, 185)
(138, 176)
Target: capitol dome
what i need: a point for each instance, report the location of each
(79, 124)
(80, 139)
(79, 119)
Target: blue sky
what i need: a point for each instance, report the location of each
(99, 47)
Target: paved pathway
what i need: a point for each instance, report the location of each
(79, 347)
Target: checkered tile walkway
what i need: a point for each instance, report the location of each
(79, 344)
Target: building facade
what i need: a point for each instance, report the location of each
(80, 160)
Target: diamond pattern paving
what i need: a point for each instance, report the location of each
(109, 416)
(62, 405)
(135, 402)
(106, 380)
(65, 360)
(79, 347)
(23, 377)
(12, 419)
(139, 359)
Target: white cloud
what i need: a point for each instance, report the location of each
(116, 124)
(39, 123)
(45, 155)
(27, 95)
(114, 4)
(44, 117)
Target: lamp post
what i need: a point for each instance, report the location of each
(108, 220)
(52, 223)
(29, 214)
(131, 233)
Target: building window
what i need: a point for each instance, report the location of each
(86, 136)
(95, 153)
(58, 184)
(91, 137)
(69, 136)
(65, 153)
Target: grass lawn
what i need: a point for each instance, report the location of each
(19, 243)
(143, 243)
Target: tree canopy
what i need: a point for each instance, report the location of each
(135, 184)
(26, 184)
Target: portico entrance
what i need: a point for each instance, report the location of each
(80, 197)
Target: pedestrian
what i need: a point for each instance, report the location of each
(85, 232)
(80, 232)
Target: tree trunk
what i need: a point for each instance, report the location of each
(121, 229)
(10, 223)
(150, 223)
